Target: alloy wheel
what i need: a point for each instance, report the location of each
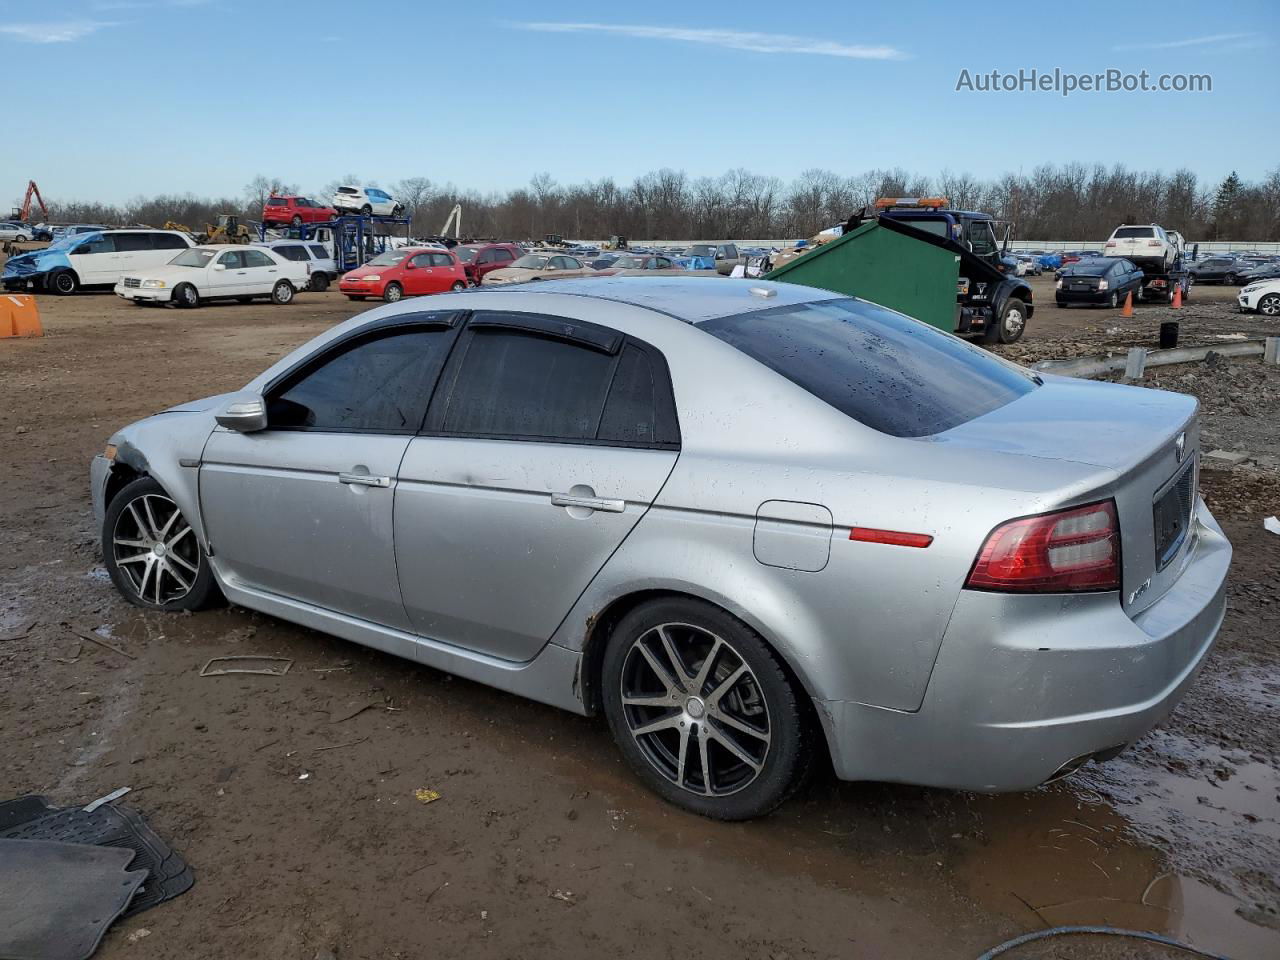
(155, 549)
(1269, 306)
(695, 709)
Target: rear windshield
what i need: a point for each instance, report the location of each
(1128, 233)
(887, 371)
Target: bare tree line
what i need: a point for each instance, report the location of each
(1068, 202)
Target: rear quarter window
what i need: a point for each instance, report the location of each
(885, 370)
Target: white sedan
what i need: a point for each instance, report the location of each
(220, 271)
(1262, 296)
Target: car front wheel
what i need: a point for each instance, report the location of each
(152, 553)
(186, 296)
(703, 711)
(1269, 306)
(64, 283)
(282, 292)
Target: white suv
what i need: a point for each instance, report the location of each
(1262, 296)
(321, 267)
(366, 200)
(1146, 245)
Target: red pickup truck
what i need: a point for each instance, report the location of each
(295, 211)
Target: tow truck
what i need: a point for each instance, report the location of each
(990, 298)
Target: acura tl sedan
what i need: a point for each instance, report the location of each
(748, 522)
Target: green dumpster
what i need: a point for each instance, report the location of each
(886, 266)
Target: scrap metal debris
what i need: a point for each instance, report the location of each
(260, 666)
(423, 795)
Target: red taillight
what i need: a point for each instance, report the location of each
(896, 538)
(1068, 550)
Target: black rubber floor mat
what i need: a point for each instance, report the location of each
(168, 874)
(59, 898)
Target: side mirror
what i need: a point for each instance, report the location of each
(244, 413)
(410, 265)
(219, 266)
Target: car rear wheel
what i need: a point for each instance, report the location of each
(186, 296)
(64, 283)
(703, 711)
(393, 292)
(152, 553)
(366, 210)
(282, 292)
(296, 221)
(1269, 306)
(1230, 278)
(458, 286)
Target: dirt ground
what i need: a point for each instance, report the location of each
(299, 813)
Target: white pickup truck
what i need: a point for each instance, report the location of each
(1146, 245)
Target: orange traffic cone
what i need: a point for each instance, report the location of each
(1128, 305)
(1177, 297)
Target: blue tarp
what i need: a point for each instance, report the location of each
(39, 263)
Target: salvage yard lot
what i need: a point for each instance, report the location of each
(294, 797)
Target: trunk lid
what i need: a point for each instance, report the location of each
(1148, 441)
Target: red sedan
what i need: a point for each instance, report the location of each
(295, 211)
(405, 272)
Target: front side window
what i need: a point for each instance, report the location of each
(103, 244)
(887, 371)
(502, 256)
(421, 260)
(377, 385)
(232, 260)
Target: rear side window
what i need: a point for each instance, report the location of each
(380, 385)
(503, 255)
(292, 252)
(1134, 233)
(131, 242)
(522, 385)
(168, 241)
(441, 260)
(885, 370)
(319, 252)
(256, 258)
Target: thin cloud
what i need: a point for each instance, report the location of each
(729, 39)
(53, 31)
(1189, 42)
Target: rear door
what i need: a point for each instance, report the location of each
(546, 442)
(303, 508)
(261, 271)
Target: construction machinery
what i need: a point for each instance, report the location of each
(454, 220)
(23, 213)
(174, 225)
(228, 230)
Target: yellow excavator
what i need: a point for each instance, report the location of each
(228, 230)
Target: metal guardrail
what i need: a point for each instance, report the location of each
(1137, 359)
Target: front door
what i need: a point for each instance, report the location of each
(303, 509)
(231, 280)
(94, 261)
(417, 275)
(545, 444)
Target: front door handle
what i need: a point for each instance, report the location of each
(364, 480)
(589, 503)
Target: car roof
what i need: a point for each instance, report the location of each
(692, 299)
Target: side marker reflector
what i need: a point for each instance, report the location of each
(894, 538)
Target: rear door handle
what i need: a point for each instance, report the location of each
(364, 480)
(590, 503)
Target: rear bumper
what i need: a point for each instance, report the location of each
(1082, 296)
(1067, 677)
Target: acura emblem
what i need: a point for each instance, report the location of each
(1180, 446)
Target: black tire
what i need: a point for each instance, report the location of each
(393, 292)
(458, 286)
(788, 757)
(1114, 302)
(296, 221)
(1230, 279)
(319, 282)
(1269, 306)
(133, 527)
(354, 296)
(282, 293)
(63, 283)
(1011, 324)
(366, 211)
(1061, 304)
(186, 296)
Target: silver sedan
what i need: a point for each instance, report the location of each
(748, 522)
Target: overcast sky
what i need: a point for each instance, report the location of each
(108, 99)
